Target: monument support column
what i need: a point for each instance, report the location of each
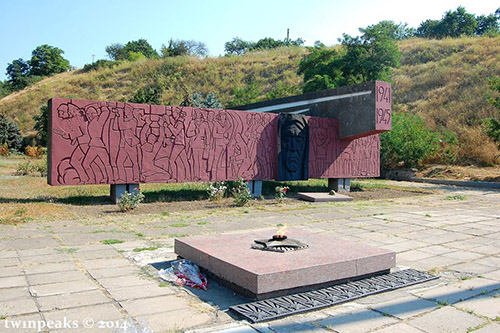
(339, 184)
(117, 190)
(255, 187)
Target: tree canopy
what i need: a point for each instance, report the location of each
(131, 50)
(359, 59)
(47, 60)
(459, 23)
(239, 46)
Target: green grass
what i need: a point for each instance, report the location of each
(2, 316)
(67, 249)
(178, 225)
(111, 241)
(141, 249)
(455, 197)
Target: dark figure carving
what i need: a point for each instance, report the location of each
(293, 147)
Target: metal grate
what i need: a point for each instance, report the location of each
(287, 305)
(273, 245)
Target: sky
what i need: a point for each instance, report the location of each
(83, 28)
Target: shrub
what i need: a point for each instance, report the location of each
(34, 151)
(281, 192)
(10, 134)
(241, 193)
(4, 150)
(408, 143)
(216, 191)
(129, 201)
(30, 168)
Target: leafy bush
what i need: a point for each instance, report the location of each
(281, 192)
(34, 151)
(9, 134)
(129, 201)
(99, 64)
(216, 191)
(241, 193)
(408, 143)
(29, 167)
(42, 124)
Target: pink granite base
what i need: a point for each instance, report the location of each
(261, 274)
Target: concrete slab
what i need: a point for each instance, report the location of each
(360, 320)
(446, 319)
(322, 197)
(65, 301)
(135, 292)
(18, 307)
(405, 307)
(485, 305)
(263, 274)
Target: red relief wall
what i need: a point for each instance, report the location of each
(94, 142)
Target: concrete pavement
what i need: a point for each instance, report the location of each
(69, 276)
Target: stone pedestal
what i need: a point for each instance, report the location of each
(255, 187)
(339, 184)
(262, 274)
(116, 191)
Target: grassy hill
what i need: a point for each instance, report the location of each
(443, 81)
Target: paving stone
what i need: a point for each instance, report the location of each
(485, 305)
(174, 320)
(436, 249)
(106, 263)
(47, 258)
(45, 278)
(124, 281)
(495, 275)
(10, 271)
(101, 312)
(399, 328)
(63, 301)
(97, 254)
(406, 307)
(13, 293)
(413, 255)
(473, 267)
(62, 288)
(38, 252)
(50, 268)
(21, 324)
(490, 328)
(456, 292)
(12, 281)
(98, 273)
(294, 327)
(8, 262)
(462, 255)
(362, 320)
(143, 291)
(8, 254)
(148, 306)
(489, 261)
(18, 306)
(446, 319)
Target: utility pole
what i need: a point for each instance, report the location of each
(93, 56)
(287, 33)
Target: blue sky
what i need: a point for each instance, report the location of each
(83, 28)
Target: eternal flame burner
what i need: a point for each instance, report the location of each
(279, 243)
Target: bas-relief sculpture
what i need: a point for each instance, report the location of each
(94, 142)
(293, 147)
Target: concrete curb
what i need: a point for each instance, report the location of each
(490, 185)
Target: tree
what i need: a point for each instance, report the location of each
(42, 124)
(408, 143)
(184, 47)
(115, 51)
(130, 50)
(148, 95)
(493, 124)
(10, 134)
(18, 73)
(237, 46)
(47, 60)
(5, 88)
(142, 46)
(321, 69)
(487, 25)
(366, 58)
(394, 31)
(453, 24)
